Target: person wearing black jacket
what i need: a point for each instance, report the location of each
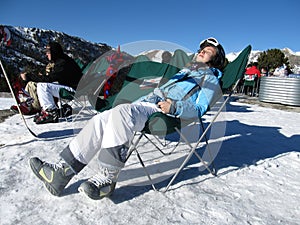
(64, 73)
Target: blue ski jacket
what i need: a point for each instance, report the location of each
(192, 92)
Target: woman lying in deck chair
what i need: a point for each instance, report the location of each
(187, 95)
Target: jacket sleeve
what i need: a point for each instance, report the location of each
(53, 76)
(199, 102)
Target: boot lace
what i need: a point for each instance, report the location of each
(101, 179)
(55, 166)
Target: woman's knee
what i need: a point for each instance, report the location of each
(41, 86)
(123, 108)
(30, 86)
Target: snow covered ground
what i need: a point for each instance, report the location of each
(6, 103)
(258, 178)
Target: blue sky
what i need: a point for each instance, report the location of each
(264, 24)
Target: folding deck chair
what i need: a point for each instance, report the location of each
(70, 96)
(160, 124)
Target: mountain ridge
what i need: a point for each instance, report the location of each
(26, 50)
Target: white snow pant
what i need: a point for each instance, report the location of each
(108, 133)
(46, 92)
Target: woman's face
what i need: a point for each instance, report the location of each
(206, 54)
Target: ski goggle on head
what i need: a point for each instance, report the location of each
(210, 40)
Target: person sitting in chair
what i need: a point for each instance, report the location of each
(188, 94)
(64, 71)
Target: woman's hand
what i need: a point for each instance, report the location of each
(165, 106)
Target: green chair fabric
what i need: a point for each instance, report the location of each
(235, 70)
(65, 94)
(143, 77)
(138, 82)
(141, 58)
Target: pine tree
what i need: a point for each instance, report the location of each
(271, 59)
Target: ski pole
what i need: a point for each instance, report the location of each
(13, 94)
